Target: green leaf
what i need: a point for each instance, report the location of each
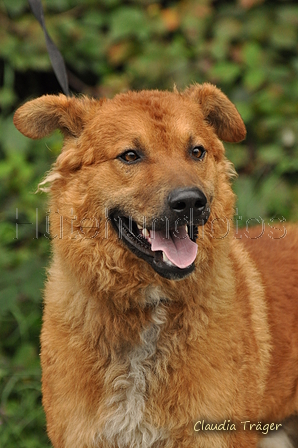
(225, 72)
(8, 298)
(227, 28)
(127, 22)
(252, 54)
(248, 204)
(270, 154)
(25, 356)
(254, 78)
(284, 36)
(237, 154)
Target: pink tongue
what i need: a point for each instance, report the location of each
(178, 247)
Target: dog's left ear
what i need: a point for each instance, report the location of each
(218, 111)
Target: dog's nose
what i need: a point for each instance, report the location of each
(182, 200)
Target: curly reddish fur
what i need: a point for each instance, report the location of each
(129, 358)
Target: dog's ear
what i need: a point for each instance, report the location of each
(218, 111)
(40, 117)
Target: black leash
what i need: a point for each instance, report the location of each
(55, 55)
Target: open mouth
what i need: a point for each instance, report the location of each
(170, 251)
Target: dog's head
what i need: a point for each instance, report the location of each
(144, 170)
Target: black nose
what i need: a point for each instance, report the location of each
(187, 202)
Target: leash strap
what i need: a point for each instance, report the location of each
(54, 54)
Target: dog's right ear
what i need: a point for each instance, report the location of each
(40, 117)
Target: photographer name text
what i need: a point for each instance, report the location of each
(227, 425)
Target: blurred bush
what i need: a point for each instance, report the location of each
(247, 47)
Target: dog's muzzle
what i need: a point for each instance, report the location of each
(168, 242)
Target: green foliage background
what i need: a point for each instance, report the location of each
(249, 48)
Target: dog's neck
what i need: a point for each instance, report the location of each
(120, 318)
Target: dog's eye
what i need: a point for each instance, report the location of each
(129, 156)
(198, 152)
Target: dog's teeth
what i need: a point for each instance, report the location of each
(166, 260)
(146, 233)
(139, 227)
(164, 257)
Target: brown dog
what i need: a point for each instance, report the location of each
(149, 339)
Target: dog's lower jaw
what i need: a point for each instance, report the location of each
(172, 273)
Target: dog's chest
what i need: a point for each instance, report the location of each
(127, 424)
